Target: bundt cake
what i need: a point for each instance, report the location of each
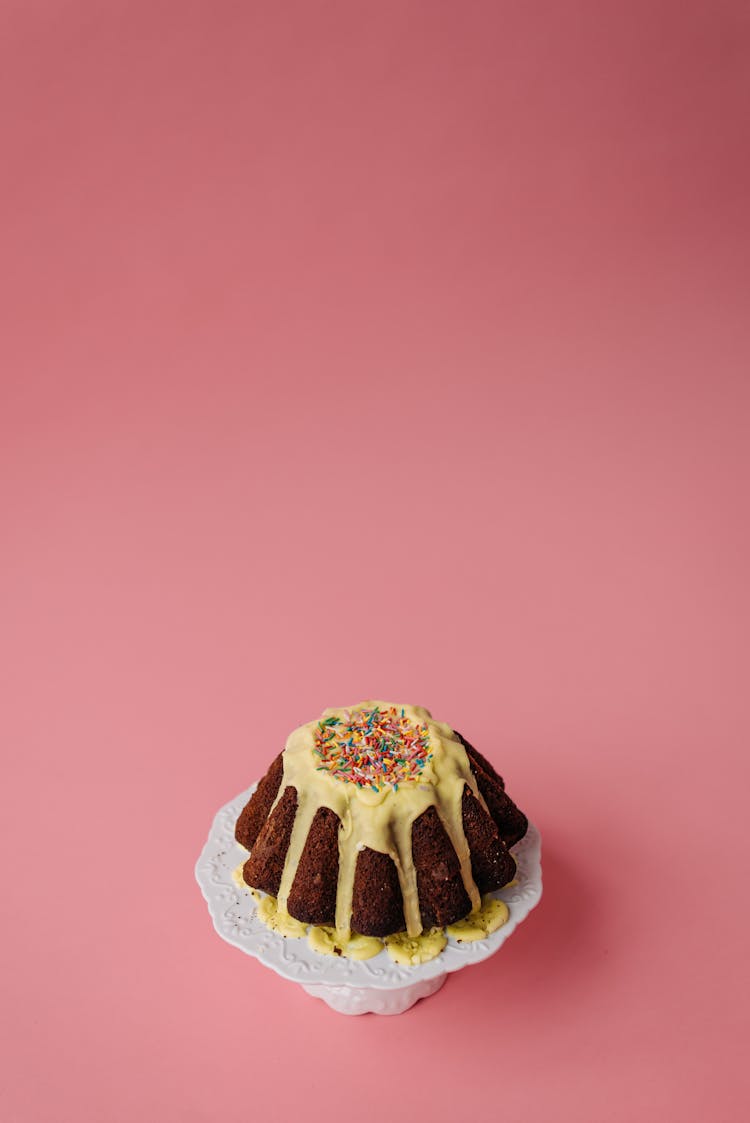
(376, 819)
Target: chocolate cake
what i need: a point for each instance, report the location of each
(376, 819)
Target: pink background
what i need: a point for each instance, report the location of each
(385, 349)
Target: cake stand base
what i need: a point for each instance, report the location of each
(374, 1000)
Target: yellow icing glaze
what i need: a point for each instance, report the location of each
(239, 880)
(324, 940)
(492, 914)
(380, 820)
(412, 950)
(404, 949)
(277, 921)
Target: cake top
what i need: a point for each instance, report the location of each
(373, 747)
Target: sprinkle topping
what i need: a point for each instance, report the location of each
(373, 749)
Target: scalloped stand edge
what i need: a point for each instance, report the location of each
(213, 875)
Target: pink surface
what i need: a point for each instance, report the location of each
(374, 349)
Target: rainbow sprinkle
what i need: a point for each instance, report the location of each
(372, 748)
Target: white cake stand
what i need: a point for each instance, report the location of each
(377, 985)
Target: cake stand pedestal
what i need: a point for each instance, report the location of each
(371, 1000)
